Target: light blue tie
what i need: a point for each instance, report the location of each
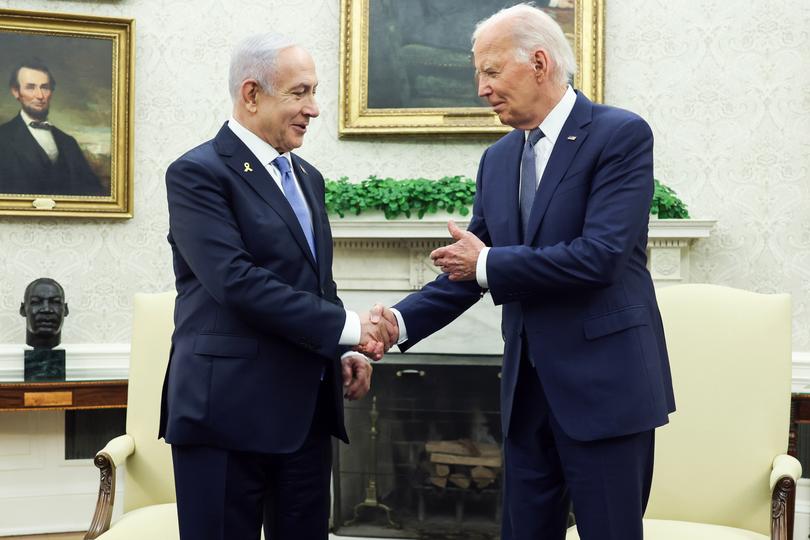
(296, 201)
(528, 177)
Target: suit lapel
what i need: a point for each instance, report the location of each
(242, 161)
(511, 189)
(565, 148)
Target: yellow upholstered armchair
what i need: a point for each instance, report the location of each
(149, 509)
(721, 472)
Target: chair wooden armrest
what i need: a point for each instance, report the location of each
(784, 475)
(107, 460)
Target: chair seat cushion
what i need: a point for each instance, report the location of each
(156, 522)
(660, 529)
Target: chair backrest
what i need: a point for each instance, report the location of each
(730, 352)
(149, 477)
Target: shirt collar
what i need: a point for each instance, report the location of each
(552, 125)
(261, 149)
(27, 119)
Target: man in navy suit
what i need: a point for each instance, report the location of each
(259, 362)
(36, 157)
(558, 238)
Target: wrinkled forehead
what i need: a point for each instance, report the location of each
(493, 43)
(44, 289)
(295, 66)
(32, 76)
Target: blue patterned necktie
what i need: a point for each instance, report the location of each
(296, 201)
(528, 177)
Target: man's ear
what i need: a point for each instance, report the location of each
(22, 309)
(249, 92)
(15, 93)
(540, 64)
(66, 309)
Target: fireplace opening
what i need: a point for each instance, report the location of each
(425, 455)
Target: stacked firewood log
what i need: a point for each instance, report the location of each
(462, 463)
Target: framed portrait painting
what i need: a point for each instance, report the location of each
(406, 66)
(65, 115)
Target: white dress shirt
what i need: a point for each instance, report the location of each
(265, 153)
(44, 137)
(551, 127)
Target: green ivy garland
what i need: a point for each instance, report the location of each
(396, 197)
(666, 204)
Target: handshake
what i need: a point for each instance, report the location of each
(379, 331)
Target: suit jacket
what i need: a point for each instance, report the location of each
(257, 319)
(26, 169)
(575, 289)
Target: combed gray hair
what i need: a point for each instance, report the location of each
(255, 57)
(533, 29)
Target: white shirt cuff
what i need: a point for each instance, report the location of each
(481, 268)
(403, 332)
(355, 353)
(351, 330)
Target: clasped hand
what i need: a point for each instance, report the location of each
(379, 331)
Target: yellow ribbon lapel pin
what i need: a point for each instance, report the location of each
(247, 167)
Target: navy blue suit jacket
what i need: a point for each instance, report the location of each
(576, 287)
(257, 319)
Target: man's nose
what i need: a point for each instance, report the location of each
(312, 109)
(483, 88)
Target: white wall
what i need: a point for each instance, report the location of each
(724, 84)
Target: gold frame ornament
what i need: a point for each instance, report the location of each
(71, 44)
(357, 118)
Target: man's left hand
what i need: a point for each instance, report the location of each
(458, 259)
(356, 371)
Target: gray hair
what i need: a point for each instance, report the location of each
(531, 29)
(255, 57)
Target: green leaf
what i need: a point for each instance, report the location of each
(397, 197)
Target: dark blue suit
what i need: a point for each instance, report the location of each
(26, 169)
(578, 300)
(257, 324)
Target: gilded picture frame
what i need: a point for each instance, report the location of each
(406, 67)
(66, 111)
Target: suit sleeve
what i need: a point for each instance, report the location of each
(441, 301)
(617, 214)
(207, 234)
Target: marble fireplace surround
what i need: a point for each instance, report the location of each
(379, 260)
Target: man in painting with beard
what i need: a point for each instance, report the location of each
(36, 157)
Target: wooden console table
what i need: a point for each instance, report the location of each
(28, 396)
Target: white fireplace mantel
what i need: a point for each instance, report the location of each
(667, 249)
(380, 261)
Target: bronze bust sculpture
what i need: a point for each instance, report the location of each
(44, 309)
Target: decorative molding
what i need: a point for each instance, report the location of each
(801, 372)
(681, 229)
(85, 361)
(372, 225)
(363, 237)
(782, 492)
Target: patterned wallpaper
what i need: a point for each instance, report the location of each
(725, 85)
